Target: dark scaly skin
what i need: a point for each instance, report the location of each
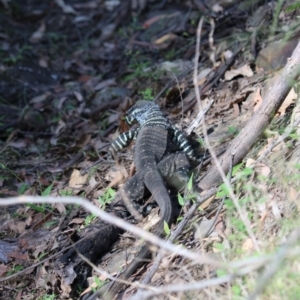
(150, 147)
(152, 161)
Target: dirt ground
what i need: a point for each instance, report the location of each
(69, 71)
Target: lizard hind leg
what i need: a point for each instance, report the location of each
(175, 169)
(133, 191)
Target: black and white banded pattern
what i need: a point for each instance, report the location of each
(124, 139)
(147, 113)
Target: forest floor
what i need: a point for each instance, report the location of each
(70, 69)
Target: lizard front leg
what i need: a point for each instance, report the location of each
(124, 139)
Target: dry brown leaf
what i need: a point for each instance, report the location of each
(290, 99)
(293, 194)
(87, 290)
(77, 221)
(28, 220)
(19, 255)
(259, 168)
(116, 175)
(204, 228)
(78, 96)
(105, 83)
(220, 225)
(67, 9)
(202, 76)
(3, 269)
(77, 180)
(217, 8)
(236, 110)
(244, 70)
(60, 207)
(40, 98)
(257, 99)
(93, 182)
(247, 245)
(19, 296)
(18, 227)
(44, 62)
(167, 37)
(263, 217)
(154, 19)
(206, 203)
(37, 36)
(275, 209)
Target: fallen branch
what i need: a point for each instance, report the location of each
(200, 258)
(259, 121)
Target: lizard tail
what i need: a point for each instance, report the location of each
(156, 186)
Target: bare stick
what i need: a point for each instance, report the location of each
(115, 221)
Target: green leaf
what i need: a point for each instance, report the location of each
(98, 281)
(166, 228)
(190, 183)
(47, 191)
(102, 202)
(236, 168)
(191, 197)
(22, 189)
(180, 200)
(201, 142)
(221, 273)
(223, 191)
(36, 208)
(236, 290)
(247, 171)
(232, 130)
(219, 246)
(111, 192)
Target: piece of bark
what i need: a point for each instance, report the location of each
(259, 121)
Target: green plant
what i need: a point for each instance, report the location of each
(15, 269)
(137, 68)
(233, 130)
(89, 219)
(108, 196)
(22, 188)
(293, 7)
(99, 283)
(42, 207)
(171, 54)
(47, 297)
(13, 58)
(147, 94)
(65, 192)
(166, 228)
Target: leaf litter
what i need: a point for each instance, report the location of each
(66, 89)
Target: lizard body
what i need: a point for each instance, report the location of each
(152, 166)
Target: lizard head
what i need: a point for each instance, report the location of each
(140, 111)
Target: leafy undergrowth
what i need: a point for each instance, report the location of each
(69, 72)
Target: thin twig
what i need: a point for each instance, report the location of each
(115, 221)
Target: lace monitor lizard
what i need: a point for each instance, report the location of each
(154, 165)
